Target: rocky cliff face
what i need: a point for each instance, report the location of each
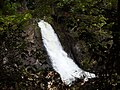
(37, 55)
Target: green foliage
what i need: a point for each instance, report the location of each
(88, 21)
(42, 8)
(13, 19)
(11, 16)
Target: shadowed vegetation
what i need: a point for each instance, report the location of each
(89, 31)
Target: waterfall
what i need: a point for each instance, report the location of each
(61, 63)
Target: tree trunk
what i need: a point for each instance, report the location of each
(115, 52)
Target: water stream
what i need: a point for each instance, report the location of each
(61, 63)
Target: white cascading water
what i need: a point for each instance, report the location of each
(61, 63)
